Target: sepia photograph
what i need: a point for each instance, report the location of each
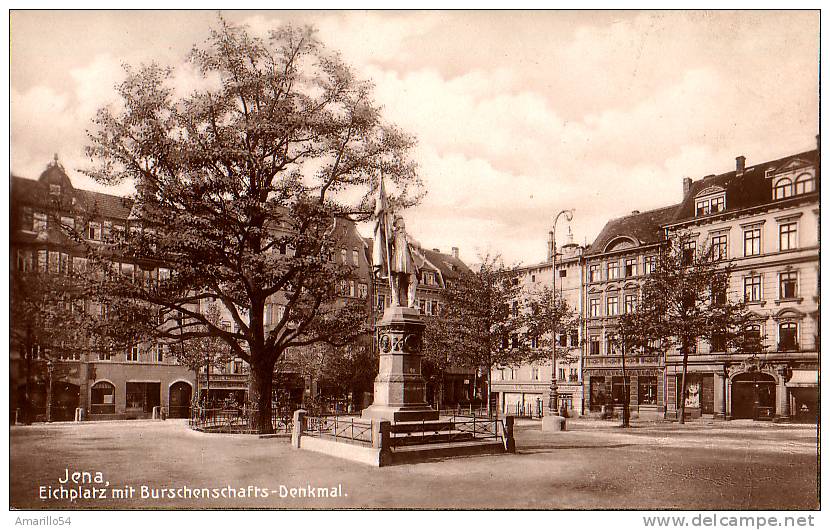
(423, 260)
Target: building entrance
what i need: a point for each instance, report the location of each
(753, 396)
(179, 400)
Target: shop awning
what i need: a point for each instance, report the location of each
(802, 378)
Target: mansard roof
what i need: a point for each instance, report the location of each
(752, 188)
(641, 228)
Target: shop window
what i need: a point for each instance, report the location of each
(103, 398)
(143, 396)
(647, 390)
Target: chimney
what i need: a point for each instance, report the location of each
(438, 250)
(687, 185)
(635, 212)
(455, 252)
(570, 236)
(740, 165)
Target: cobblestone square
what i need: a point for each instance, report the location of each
(594, 465)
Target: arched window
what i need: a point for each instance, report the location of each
(805, 183)
(103, 398)
(783, 189)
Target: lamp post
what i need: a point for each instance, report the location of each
(554, 395)
(50, 367)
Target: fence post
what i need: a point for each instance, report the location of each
(509, 440)
(299, 424)
(381, 439)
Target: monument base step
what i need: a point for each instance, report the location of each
(400, 414)
(424, 453)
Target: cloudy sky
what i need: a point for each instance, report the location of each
(518, 114)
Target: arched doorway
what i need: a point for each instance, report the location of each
(753, 396)
(179, 399)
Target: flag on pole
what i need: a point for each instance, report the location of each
(382, 233)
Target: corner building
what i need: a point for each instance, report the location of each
(764, 219)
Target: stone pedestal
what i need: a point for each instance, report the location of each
(400, 389)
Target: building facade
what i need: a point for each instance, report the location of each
(128, 384)
(524, 389)
(764, 220)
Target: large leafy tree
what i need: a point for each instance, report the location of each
(686, 299)
(237, 187)
(478, 325)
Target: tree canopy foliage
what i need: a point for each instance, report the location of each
(238, 186)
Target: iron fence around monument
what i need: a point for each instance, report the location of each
(350, 429)
(238, 420)
(450, 428)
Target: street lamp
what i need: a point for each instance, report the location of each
(554, 396)
(50, 367)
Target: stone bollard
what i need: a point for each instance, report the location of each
(381, 433)
(509, 440)
(297, 430)
(553, 424)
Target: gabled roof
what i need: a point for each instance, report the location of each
(642, 227)
(752, 188)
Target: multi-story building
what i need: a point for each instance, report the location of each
(621, 256)
(132, 383)
(122, 385)
(764, 220)
(524, 389)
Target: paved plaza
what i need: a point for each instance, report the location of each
(716, 465)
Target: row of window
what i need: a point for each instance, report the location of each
(57, 262)
(614, 272)
(509, 373)
(782, 189)
(353, 289)
(785, 187)
(612, 305)
(787, 240)
(787, 339)
(612, 390)
(787, 286)
(428, 307)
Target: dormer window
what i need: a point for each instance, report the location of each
(54, 189)
(709, 201)
(783, 189)
(805, 183)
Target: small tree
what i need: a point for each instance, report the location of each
(633, 333)
(48, 324)
(479, 326)
(545, 317)
(686, 299)
(204, 352)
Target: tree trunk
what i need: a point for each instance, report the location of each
(259, 396)
(681, 418)
(207, 383)
(27, 392)
(626, 412)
